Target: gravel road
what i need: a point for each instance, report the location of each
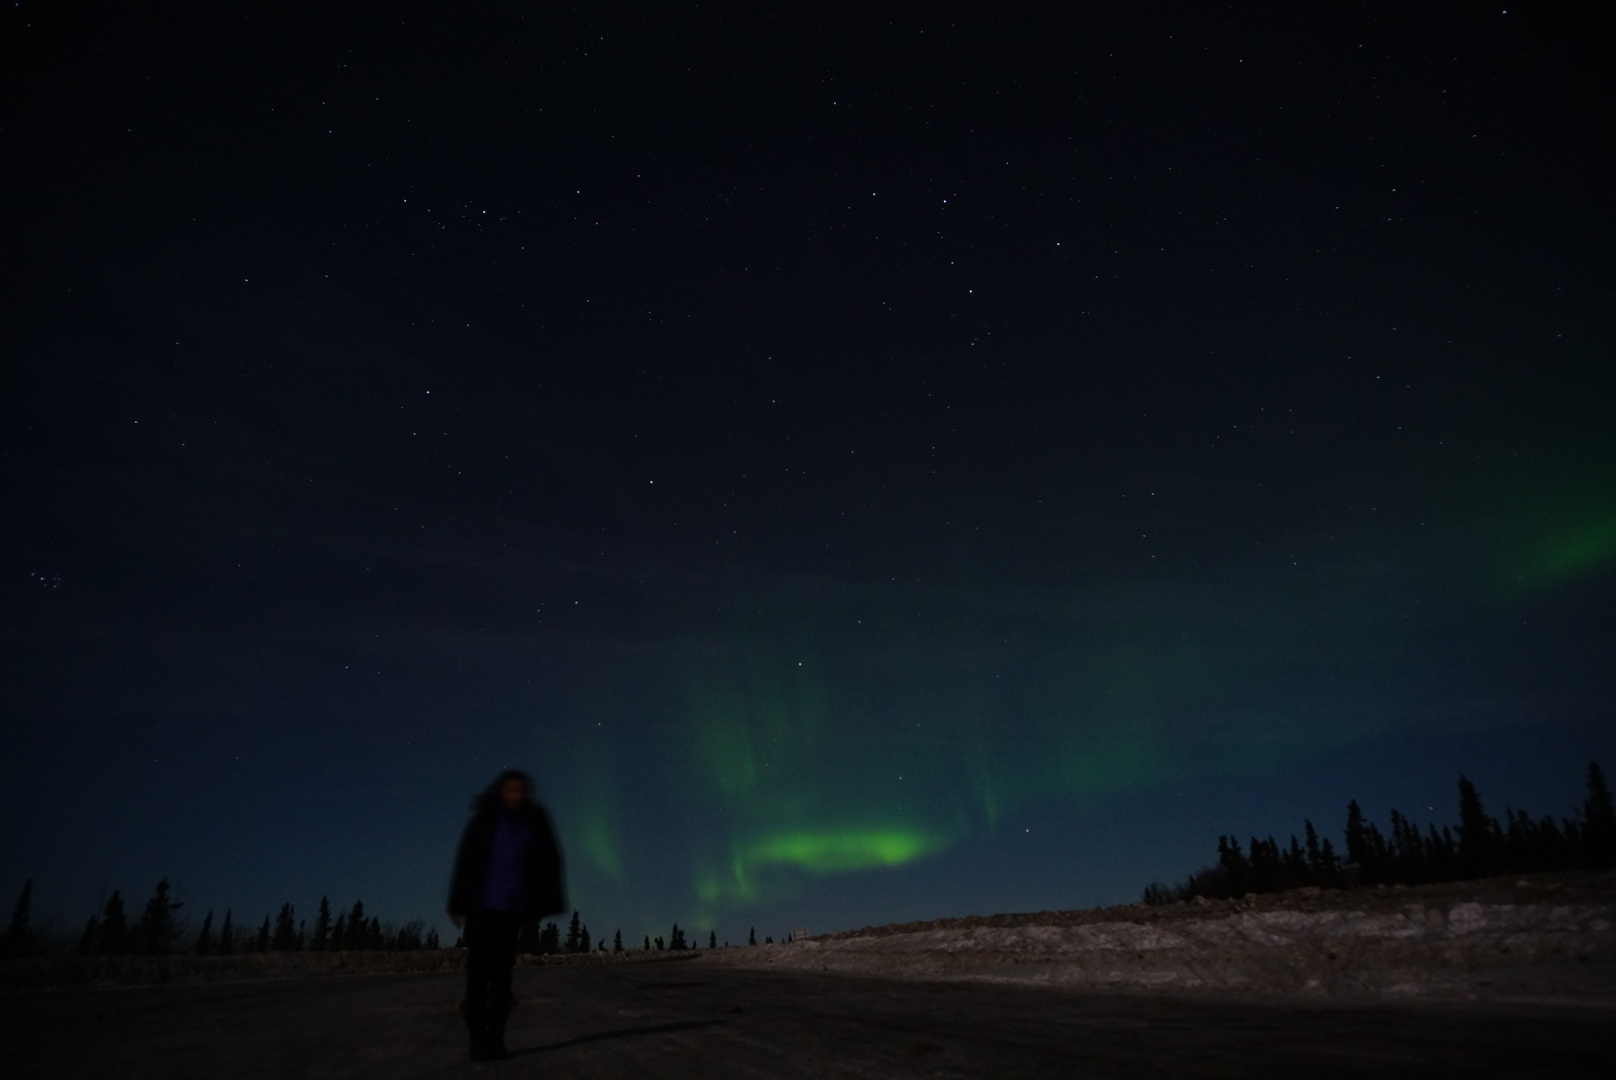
(690, 1019)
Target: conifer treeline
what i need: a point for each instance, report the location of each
(1479, 846)
(546, 938)
(157, 931)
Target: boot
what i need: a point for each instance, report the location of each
(494, 1043)
(477, 1028)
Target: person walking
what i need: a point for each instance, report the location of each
(507, 873)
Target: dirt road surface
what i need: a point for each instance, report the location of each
(689, 1019)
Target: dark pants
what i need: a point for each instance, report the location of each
(490, 955)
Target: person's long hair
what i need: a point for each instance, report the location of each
(488, 800)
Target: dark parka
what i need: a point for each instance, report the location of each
(546, 894)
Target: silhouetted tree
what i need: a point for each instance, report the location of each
(550, 938)
(1315, 853)
(1377, 871)
(227, 935)
(1267, 866)
(1441, 854)
(676, 940)
(156, 930)
(1237, 871)
(322, 927)
(659, 945)
(712, 939)
(1599, 823)
(204, 936)
(285, 938)
(647, 946)
(1475, 833)
(17, 941)
(583, 939)
(114, 936)
(617, 941)
(1357, 840)
(375, 939)
(339, 933)
(751, 935)
(261, 943)
(90, 940)
(574, 935)
(358, 929)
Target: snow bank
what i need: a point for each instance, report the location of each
(1550, 939)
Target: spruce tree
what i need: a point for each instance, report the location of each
(90, 941)
(647, 946)
(1331, 874)
(16, 942)
(1439, 853)
(156, 930)
(114, 937)
(1357, 841)
(339, 933)
(285, 937)
(1315, 852)
(573, 936)
(677, 939)
(583, 938)
(1237, 871)
(1379, 855)
(204, 936)
(261, 944)
(712, 939)
(322, 927)
(1475, 833)
(550, 938)
(617, 941)
(751, 935)
(1599, 822)
(227, 935)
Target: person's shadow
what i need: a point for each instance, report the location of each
(619, 1033)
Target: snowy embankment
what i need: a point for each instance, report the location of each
(1542, 938)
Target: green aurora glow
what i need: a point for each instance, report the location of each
(796, 759)
(1572, 554)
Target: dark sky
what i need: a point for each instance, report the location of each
(868, 463)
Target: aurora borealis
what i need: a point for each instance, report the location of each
(867, 470)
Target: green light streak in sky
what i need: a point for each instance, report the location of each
(1572, 554)
(841, 852)
(589, 789)
(817, 853)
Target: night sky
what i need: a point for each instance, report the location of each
(869, 464)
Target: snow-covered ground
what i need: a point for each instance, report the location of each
(1543, 938)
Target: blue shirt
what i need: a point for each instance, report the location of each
(507, 888)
